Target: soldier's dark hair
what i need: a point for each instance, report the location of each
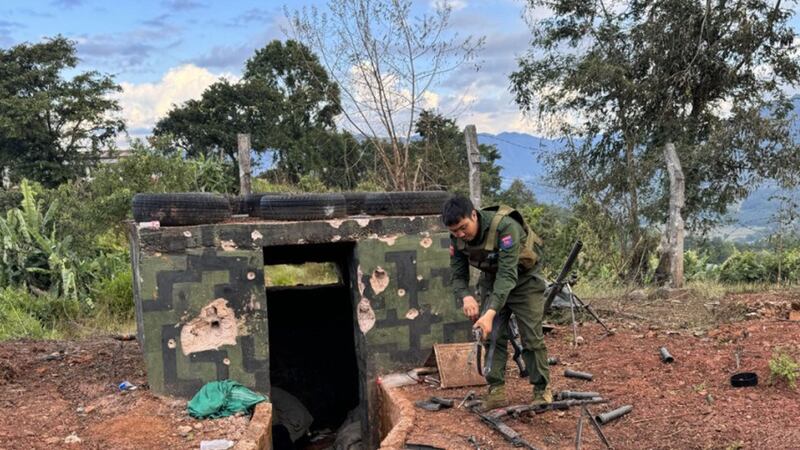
(456, 208)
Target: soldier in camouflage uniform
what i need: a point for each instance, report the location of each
(497, 241)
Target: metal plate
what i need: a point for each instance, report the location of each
(457, 366)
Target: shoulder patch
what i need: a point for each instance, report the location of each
(506, 242)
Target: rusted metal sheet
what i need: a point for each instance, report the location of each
(457, 365)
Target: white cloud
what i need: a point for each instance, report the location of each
(143, 104)
(455, 5)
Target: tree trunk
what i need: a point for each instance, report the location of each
(474, 158)
(244, 163)
(637, 259)
(672, 240)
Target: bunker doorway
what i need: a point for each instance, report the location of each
(312, 347)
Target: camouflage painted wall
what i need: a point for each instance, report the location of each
(404, 282)
(402, 302)
(173, 291)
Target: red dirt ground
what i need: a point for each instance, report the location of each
(689, 404)
(43, 402)
(686, 405)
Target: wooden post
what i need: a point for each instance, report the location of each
(244, 163)
(675, 226)
(474, 158)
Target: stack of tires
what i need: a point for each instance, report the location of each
(193, 208)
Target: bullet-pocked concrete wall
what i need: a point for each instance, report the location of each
(201, 301)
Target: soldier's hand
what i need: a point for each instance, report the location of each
(485, 322)
(471, 307)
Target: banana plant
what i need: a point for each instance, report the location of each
(31, 252)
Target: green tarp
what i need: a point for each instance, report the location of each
(221, 399)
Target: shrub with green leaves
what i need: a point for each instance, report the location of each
(745, 267)
(783, 367)
(26, 315)
(91, 207)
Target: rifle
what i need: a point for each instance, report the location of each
(501, 319)
(539, 408)
(506, 431)
(557, 286)
(494, 418)
(562, 284)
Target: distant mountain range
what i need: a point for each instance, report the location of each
(520, 153)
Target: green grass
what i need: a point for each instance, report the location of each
(308, 274)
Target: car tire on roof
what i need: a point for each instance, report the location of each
(184, 208)
(354, 202)
(405, 203)
(302, 206)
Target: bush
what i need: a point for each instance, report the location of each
(696, 267)
(783, 366)
(114, 295)
(24, 315)
(745, 267)
(93, 207)
(9, 200)
(761, 267)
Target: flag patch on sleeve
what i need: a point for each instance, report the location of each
(506, 242)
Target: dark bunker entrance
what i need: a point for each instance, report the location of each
(312, 351)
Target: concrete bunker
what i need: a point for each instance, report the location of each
(328, 344)
(312, 330)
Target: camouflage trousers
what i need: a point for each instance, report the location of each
(526, 301)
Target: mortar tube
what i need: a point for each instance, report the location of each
(576, 395)
(607, 417)
(665, 356)
(575, 374)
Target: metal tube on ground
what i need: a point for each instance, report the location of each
(607, 417)
(665, 356)
(577, 395)
(575, 374)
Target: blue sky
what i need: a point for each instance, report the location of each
(167, 51)
(164, 52)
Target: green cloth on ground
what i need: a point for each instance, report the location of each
(222, 399)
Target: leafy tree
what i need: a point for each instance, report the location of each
(385, 61)
(285, 101)
(52, 128)
(441, 158)
(517, 195)
(704, 76)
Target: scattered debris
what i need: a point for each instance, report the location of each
(55, 356)
(494, 418)
(585, 411)
(744, 379)
(124, 337)
(126, 386)
(580, 375)
(470, 395)
(216, 444)
(576, 395)
(72, 439)
(221, 399)
(665, 356)
(609, 416)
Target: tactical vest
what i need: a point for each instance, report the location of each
(484, 256)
